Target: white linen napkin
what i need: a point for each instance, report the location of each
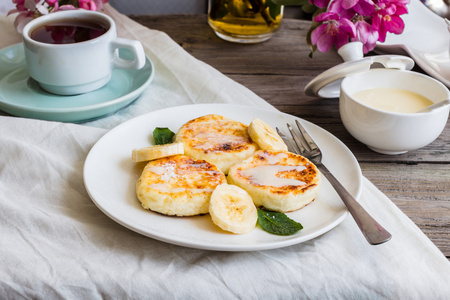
(55, 243)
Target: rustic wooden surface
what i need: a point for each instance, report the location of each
(418, 182)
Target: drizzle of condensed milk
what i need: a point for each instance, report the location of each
(266, 175)
(210, 140)
(274, 159)
(392, 100)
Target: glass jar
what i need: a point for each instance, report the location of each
(244, 21)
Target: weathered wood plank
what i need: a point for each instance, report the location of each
(195, 36)
(423, 195)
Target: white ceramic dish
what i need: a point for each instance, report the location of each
(425, 38)
(328, 83)
(22, 96)
(391, 132)
(110, 179)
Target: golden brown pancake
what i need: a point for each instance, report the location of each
(178, 185)
(216, 139)
(277, 180)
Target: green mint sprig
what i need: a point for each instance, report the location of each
(277, 223)
(162, 135)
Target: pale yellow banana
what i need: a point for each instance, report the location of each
(155, 152)
(265, 136)
(232, 209)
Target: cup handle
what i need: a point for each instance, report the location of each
(136, 49)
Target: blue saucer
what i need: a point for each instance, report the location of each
(22, 96)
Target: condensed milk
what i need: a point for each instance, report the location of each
(390, 132)
(392, 100)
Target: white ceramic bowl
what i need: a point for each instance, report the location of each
(388, 132)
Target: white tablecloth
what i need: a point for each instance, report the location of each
(55, 243)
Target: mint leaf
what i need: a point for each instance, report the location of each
(277, 223)
(162, 135)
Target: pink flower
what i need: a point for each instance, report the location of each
(334, 31)
(87, 4)
(92, 4)
(67, 7)
(367, 21)
(29, 9)
(365, 34)
(53, 3)
(100, 3)
(22, 19)
(25, 5)
(348, 8)
(386, 18)
(26, 9)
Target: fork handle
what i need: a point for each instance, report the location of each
(373, 232)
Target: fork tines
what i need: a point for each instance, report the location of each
(310, 142)
(291, 147)
(303, 143)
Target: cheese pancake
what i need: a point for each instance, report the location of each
(277, 180)
(178, 185)
(216, 139)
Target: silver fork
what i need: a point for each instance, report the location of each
(305, 146)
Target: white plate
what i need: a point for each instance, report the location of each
(425, 38)
(110, 178)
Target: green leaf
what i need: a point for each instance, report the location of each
(162, 135)
(277, 223)
(309, 8)
(274, 9)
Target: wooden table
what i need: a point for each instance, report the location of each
(418, 182)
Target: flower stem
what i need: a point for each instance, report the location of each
(260, 7)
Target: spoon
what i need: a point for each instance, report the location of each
(434, 106)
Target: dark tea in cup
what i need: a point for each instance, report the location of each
(75, 51)
(68, 31)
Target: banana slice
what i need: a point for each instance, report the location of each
(265, 136)
(232, 209)
(155, 152)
